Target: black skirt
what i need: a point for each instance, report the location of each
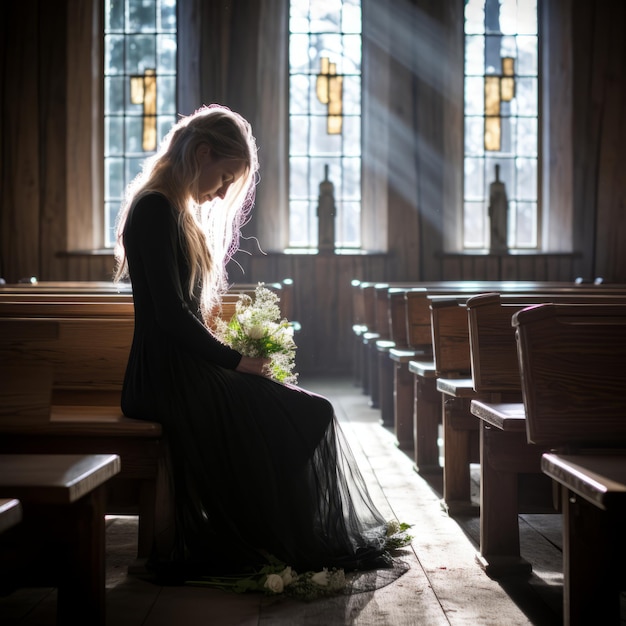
(257, 467)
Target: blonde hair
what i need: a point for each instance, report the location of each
(209, 235)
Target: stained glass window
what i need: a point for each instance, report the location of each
(501, 117)
(139, 91)
(325, 117)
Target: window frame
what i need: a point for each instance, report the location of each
(338, 159)
(498, 156)
(84, 157)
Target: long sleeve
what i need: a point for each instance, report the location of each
(157, 264)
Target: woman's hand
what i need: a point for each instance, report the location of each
(253, 365)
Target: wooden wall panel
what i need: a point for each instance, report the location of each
(53, 215)
(403, 224)
(20, 185)
(322, 300)
(609, 69)
(83, 113)
(599, 133)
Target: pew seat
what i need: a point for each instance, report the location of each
(506, 416)
(60, 541)
(10, 513)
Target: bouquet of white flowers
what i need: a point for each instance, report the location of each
(257, 330)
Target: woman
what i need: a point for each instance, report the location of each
(258, 467)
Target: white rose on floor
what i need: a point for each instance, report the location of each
(338, 579)
(320, 578)
(288, 576)
(274, 583)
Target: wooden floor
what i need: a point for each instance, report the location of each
(444, 584)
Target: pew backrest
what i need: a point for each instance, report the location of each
(86, 344)
(385, 318)
(571, 360)
(493, 349)
(79, 287)
(399, 320)
(450, 337)
(418, 314)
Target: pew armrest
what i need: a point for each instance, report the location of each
(599, 478)
(509, 417)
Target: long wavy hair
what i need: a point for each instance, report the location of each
(210, 231)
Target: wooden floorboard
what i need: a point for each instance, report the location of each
(444, 584)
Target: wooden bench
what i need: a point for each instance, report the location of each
(443, 392)
(359, 327)
(419, 331)
(511, 481)
(573, 381)
(451, 355)
(389, 337)
(83, 336)
(58, 397)
(369, 336)
(77, 287)
(10, 513)
(60, 540)
(406, 346)
(417, 345)
(417, 399)
(61, 393)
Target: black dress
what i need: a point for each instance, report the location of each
(257, 466)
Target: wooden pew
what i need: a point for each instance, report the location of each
(64, 399)
(61, 393)
(47, 292)
(573, 381)
(368, 335)
(451, 354)
(10, 513)
(60, 541)
(419, 330)
(419, 348)
(417, 344)
(358, 328)
(510, 468)
(382, 396)
(404, 349)
(374, 335)
(443, 387)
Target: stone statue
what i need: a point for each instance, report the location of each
(326, 215)
(498, 214)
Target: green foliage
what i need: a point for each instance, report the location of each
(257, 330)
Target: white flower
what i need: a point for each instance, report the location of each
(320, 578)
(256, 331)
(274, 583)
(288, 576)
